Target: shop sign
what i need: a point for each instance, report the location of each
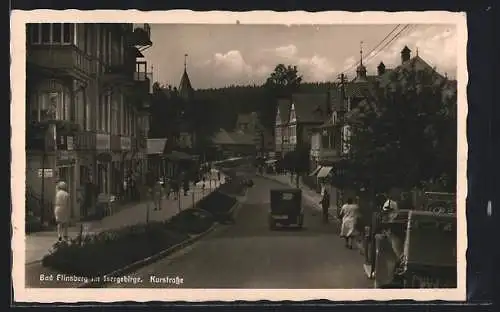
(46, 173)
(103, 141)
(69, 143)
(125, 143)
(65, 158)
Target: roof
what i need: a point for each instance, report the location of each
(185, 87)
(177, 155)
(224, 137)
(416, 62)
(363, 88)
(246, 118)
(311, 107)
(284, 110)
(156, 146)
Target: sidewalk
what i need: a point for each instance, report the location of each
(38, 244)
(310, 195)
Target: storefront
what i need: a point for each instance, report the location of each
(103, 163)
(67, 171)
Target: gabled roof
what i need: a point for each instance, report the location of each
(224, 137)
(311, 107)
(362, 89)
(246, 118)
(284, 106)
(185, 87)
(416, 62)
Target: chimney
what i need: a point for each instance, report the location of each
(405, 54)
(381, 69)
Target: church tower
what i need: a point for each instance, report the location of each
(185, 88)
(361, 70)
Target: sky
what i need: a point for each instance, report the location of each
(223, 55)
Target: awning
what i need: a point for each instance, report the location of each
(271, 161)
(315, 171)
(176, 155)
(324, 171)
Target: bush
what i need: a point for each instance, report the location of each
(191, 221)
(218, 205)
(108, 251)
(111, 250)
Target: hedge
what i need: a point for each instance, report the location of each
(111, 250)
(102, 253)
(218, 205)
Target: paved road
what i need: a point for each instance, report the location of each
(248, 255)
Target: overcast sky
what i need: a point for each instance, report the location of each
(221, 55)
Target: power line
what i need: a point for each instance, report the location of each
(370, 56)
(389, 43)
(378, 45)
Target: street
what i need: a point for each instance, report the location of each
(248, 255)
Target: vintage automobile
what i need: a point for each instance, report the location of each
(286, 208)
(414, 248)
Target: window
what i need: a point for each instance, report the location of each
(114, 117)
(50, 105)
(34, 33)
(56, 33)
(121, 47)
(67, 32)
(109, 49)
(46, 36)
(107, 108)
(75, 104)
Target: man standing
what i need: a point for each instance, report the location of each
(325, 204)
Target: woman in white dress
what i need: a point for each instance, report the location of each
(349, 213)
(62, 210)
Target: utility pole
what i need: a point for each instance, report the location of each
(342, 110)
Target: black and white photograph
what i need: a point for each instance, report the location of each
(227, 156)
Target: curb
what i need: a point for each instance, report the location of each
(332, 216)
(141, 263)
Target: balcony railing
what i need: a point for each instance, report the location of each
(61, 57)
(143, 76)
(85, 141)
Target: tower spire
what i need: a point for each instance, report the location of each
(361, 53)
(185, 61)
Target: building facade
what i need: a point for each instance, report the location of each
(87, 111)
(297, 118)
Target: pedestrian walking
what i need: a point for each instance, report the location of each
(349, 213)
(325, 204)
(185, 186)
(62, 210)
(168, 187)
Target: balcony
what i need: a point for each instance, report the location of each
(117, 74)
(328, 156)
(115, 143)
(61, 61)
(85, 141)
(141, 36)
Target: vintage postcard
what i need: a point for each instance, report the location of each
(238, 156)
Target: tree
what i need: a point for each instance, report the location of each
(404, 132)
(284, 80)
